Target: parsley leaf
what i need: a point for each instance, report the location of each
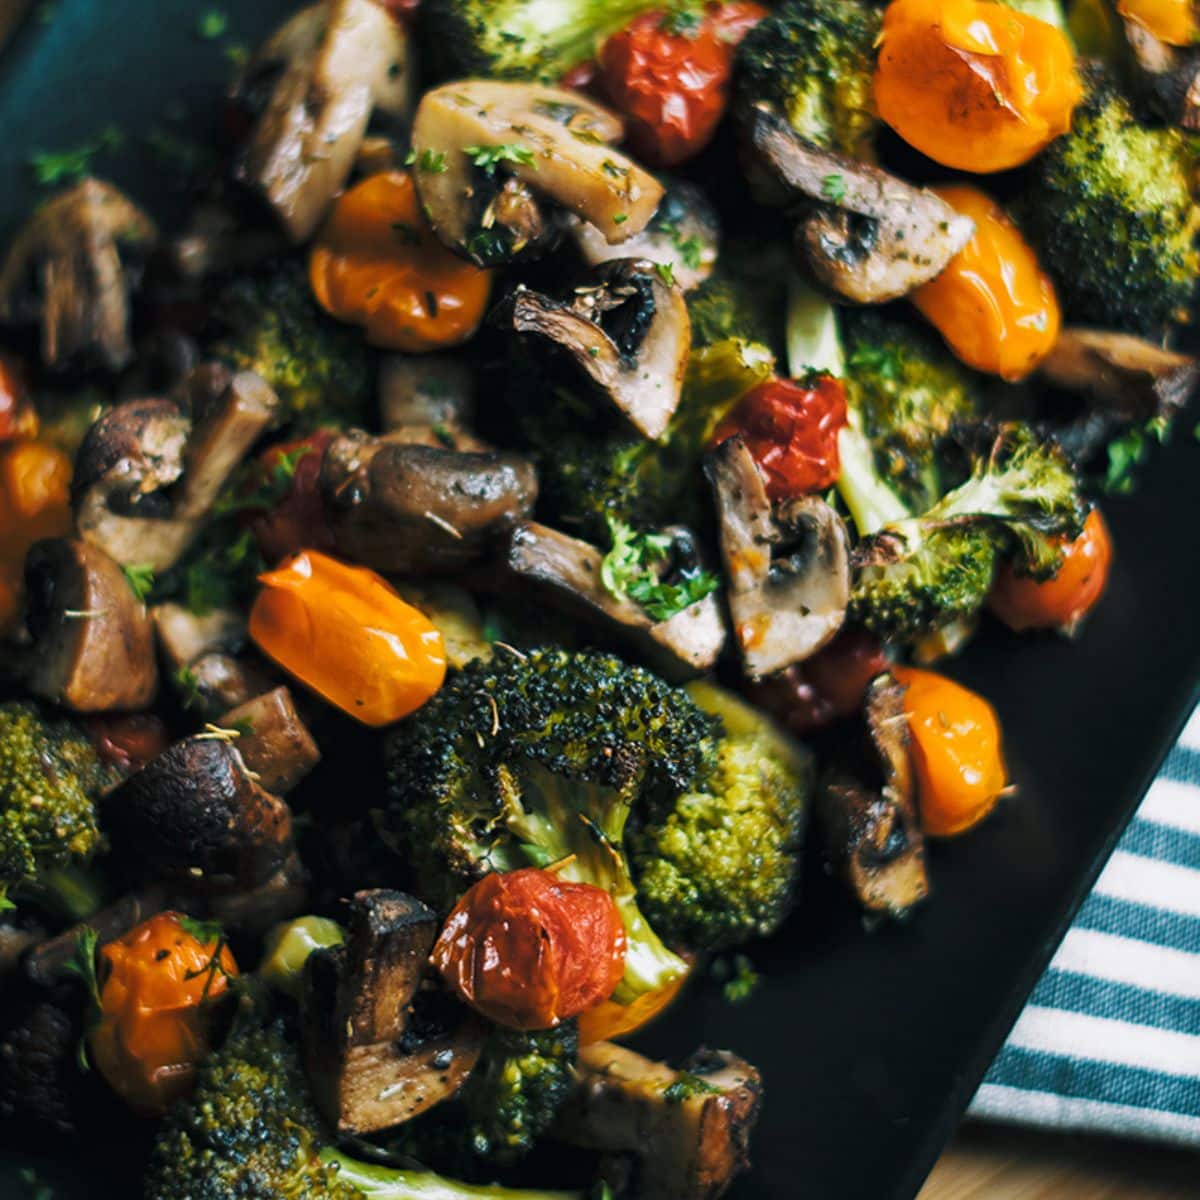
(140, 577)
(687, 1085)
(6, 905)
(257, 489)
(212, 24)
(627, 572)
(738, 978)
(665, 272)
(431, 161)
(1128, 451)
(189, 687)
(833, 187)
(67, 166)
(82, 962)
(488, 158)
(883, 360)
(203, 931)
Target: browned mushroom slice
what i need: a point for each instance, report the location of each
(1131, 377)
(1169, 76)
(688, 1131)
(683, 234)
(93, 644)
(70, 269)
(218, 241)
(566, 573)
(379, 1047)
(428, 400)
(218, 681)
(625, 329)
(196, 814)
(274, 742)
(787, 566)
(332, 66)
(562, 152)
(402, 508)
(868, 812)
(255, 910)
(879, 239)
(183, 636)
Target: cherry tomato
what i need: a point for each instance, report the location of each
(297, 519)
(974, 85)
(610, 1020)
(378, 264)
(1062, 602)
(158, 987)
(344, 632)
(830, 685)
(528, 949)
(668, 75)
(956, 751)
(994, 305)
(791, 429)
(127, 740)
(18, 417)
(1171, 21)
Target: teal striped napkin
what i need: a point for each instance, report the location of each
(1110, 1039)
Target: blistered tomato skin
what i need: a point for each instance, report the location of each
(791, 429)
(1171, 21)
(974, 85)
(994, 305)
(529, 950)
(344, 632)
(1062, 602)
(956, 751)
(298, 519)
(158, 987)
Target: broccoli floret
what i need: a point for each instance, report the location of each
(718, 865)
(917, 574)
(520, 39)
(322, 371)
(509, 1100)
(1110, 212)
(746, 295)
(591, 469)
(813, 59)
(249, 1131)
(908, 391)
(539, 758)
(50, 776)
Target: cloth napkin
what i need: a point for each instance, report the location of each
(1110, 1039)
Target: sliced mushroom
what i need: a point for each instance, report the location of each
(868, 810)
(379, 1047)
(219, 240)
(218, 681)
(93, 644)
(183, 636)
(787, 567)
(428, 400)
(72, 269)
(1169, 76)
(490, 212)
(1129, 376)
(403, 508)
(683, 234)
(871, 238)
(196, 814)
(148, 473)
(565, 572)
(253, 911)
(625, 329)
(328, 69)
(274, 742)
(688, 1130)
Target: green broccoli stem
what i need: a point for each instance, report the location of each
(388, 1183)
(871, 502)
(73, 891)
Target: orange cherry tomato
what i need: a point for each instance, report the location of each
(35, 503)
(610, 1020)
(1062, 602)
(528, 949)
(956, 751)
(344, 632)
(994, 305)
(974, 85)
(158, 987)
(378, 264)
(1171, 21)
(18, 417)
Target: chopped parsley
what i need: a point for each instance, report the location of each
(203, 931)
(627, 571)
(67, 166)
(257, 489)
(738, 977)
(885, 361)
(82, 962)
(6, 905)
(833, 187)
(686, 1086)
(665, 272)
(189, 688)
(433, 162)
(141, 579)
(212, 24)
(237, 53)
(683, 22)
(488, 158)
(1128, 451)
(620, 218)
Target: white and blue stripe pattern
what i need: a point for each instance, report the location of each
(1110, 1039)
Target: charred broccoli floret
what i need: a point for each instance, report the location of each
(812, 60)
(321, 370)
(908, 391)
(718, 865)
(919, 573)
(1110, 211)
(50, 776)
(746, 296)
(521, 39)
(592, 469)
(509, 1100)
(249, 1131)
(537, 759)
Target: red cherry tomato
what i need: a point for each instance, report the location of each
(297, 520)
(668, 74)
(528, 949)
(829, 685)
(791, 429)
(127, 740)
